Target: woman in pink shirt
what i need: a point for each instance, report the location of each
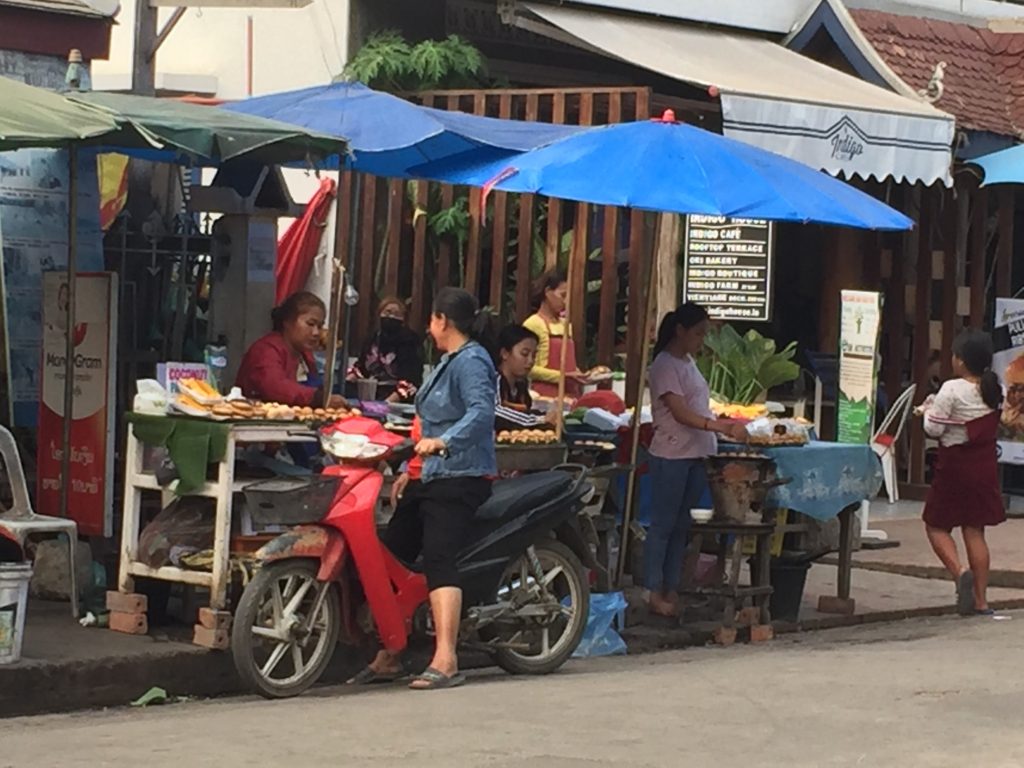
(684, 434)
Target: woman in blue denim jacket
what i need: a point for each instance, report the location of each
(456, 413)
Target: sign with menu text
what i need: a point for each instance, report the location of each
(727, 266)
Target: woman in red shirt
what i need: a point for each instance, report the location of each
(279, 368)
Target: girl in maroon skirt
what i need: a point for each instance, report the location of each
(964, 417)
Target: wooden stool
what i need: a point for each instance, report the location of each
(730, 537)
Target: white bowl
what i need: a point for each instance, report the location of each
(701, 515)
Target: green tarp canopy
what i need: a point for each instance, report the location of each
(33, 117)
(202, 135)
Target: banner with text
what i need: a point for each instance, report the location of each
(727, 266)
(859, 327)
(1008, 363)
(92, 425)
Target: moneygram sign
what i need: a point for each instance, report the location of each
(728, 266)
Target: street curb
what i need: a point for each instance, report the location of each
(49, 688)
(645, 640)
(1001, 578)
(37, 688)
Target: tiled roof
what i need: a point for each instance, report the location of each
(66, 7)
(983, 84)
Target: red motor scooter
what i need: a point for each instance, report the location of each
(526, 595)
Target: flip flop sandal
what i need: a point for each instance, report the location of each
(984, 612)
(965, 594)
(436, 680)
(367, 676)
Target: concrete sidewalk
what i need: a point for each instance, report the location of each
(66, 667)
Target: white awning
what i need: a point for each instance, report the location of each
(777, 99)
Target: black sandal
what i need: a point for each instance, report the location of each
(435, 680)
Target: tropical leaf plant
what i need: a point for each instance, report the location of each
(742, 368)
(387, 61)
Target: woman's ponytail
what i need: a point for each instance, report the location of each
(991, 389)
(666, 331)
(483, 331)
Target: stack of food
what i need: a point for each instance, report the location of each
(238, 409)
(767, 431)
(527, 437)
(736, 411)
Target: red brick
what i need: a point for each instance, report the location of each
(217, 639)
(127, 602)
(129, 623)
(213, 619)
(725, 636)
(761, 633)
(832, 604)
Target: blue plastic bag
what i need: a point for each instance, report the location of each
(600, 637)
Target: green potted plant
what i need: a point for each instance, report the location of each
(741, 369)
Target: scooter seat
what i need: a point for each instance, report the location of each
(513, 497)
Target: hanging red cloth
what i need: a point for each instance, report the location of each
(298, 246)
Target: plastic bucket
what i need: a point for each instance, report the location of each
(788, 581)
(14, 579)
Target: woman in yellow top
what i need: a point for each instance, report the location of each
(548, 323)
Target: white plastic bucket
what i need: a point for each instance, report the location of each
(14, 580)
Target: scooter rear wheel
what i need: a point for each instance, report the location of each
(548, 643)
(280, 647)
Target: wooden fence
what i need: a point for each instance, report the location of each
(416, 237)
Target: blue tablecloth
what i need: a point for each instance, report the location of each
(827, 477)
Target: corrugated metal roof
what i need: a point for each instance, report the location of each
(64, 7)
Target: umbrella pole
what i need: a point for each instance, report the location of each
(566, 335)
(353, 230)
(337, 291)
(69, 348)
(631, 488)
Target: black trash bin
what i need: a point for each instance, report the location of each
(788, 579)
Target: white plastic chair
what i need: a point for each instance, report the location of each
(886, 439)
(20, 521)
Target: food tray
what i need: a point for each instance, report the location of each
(529, 458)
(290, 500)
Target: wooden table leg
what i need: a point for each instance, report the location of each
(763, 576)
(842, 603)
(131, 512)
(222, 529)
(735, 563)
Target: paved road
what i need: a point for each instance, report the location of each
(941, 693)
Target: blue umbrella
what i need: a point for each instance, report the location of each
(1003, 167)
(388, 135)
(662, 165)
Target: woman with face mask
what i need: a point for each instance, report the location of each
(393, 355)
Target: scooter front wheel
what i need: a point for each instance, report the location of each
(285, 629)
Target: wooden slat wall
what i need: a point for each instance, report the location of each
(922, 322)
(978, 249)
(499, 248)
